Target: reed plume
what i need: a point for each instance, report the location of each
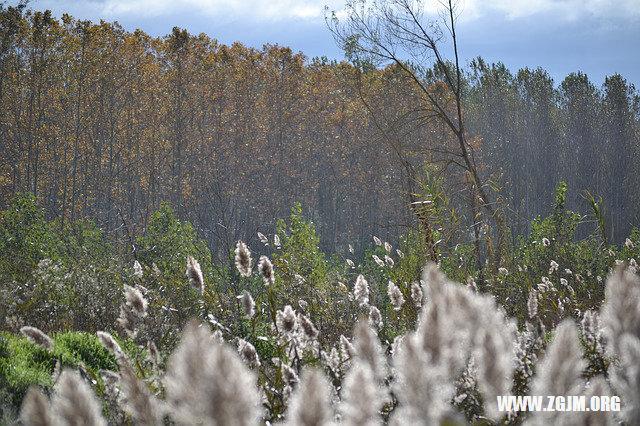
(243, 259)
(38, 337)
(194, 273)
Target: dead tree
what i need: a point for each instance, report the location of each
(381, 32)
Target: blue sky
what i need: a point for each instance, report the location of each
(598, 37)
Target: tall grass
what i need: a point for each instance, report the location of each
(462, 353)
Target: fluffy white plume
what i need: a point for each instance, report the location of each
(35, 335)
(194, 273)
(243, 259)
(621, 310)
(310, 404)
(207, 383)
(362, 398)
(74, 403)
(368, 350)
(266, 270)
(248, 305)
(140, 402)
(361, 291)
(35, 409)
(137, 269)
(560, 371)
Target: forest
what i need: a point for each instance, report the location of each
(200, 233)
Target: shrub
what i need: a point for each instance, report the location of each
(567, 276)
(27, 236)
(457, 357)
(23, 363)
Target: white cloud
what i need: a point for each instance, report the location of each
(270, 10)
(284, 10)
(569, 10)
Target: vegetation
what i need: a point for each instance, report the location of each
(250, 299)
(196, 233)
(23, 364)
(101, 123)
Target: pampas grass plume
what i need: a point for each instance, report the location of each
(137, 269)
(361, 397)
(310, 404)
(286, 320)
(367, 349)
(621, 310)
(560, 370)
(361, 291)
(74, 402)
(207, 383)
(266, 270)
(248, 353)
(375, 318)
(38, 337)
(309, 331)
(135, 301)
(194, 273)
(416, 293)
(243, 259)
(140, 403)
(110, 344)
(395, 295)
(248, 305)
(35, 409)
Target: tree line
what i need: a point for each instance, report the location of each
(105, 124)
(537, 134)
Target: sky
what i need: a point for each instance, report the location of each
(597, 37)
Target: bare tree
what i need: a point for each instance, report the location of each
(382, 32)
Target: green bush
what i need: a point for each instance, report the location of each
(58, 277)
(25, 233)
(85, 348)
(162, 251)
(573, 270)
(168, 241)
(23, 363)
